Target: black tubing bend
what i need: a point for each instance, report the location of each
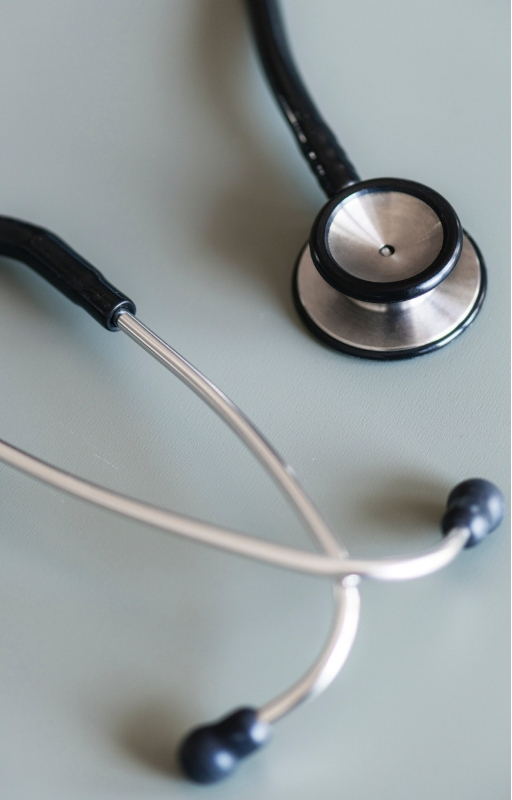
(319, 146)
(57, 263)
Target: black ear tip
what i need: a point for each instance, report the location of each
(212, 752)
(203, 758)
(476, 504)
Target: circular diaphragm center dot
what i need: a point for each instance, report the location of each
(387, 250)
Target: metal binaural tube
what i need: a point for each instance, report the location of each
(334, 563)
(282, 473)
(390, 569)
(331, 659)
(346, 595)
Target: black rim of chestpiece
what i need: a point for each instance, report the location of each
(392, 291)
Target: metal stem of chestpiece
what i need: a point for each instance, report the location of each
(377, 245)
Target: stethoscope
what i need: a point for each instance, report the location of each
(388, 273)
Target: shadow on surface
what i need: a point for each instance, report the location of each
(405, 505)
(151, 734)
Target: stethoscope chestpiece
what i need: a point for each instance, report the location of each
(388, 272)
(386, 240)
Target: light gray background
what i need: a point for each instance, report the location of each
(142, 133)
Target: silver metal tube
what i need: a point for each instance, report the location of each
(335, 563)
(206, 533)
(238, 543)
(331, 659)
(346, 601)
(380, 569)
(328, 663)
(282, 473)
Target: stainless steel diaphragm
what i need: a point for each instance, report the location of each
(388, 272)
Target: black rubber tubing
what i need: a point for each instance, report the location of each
(57, 263)
(322, 151)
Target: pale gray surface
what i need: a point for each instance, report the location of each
(142, 133)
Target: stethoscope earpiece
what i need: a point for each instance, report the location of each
(212, 752)
(388, 272)
(475, 504)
